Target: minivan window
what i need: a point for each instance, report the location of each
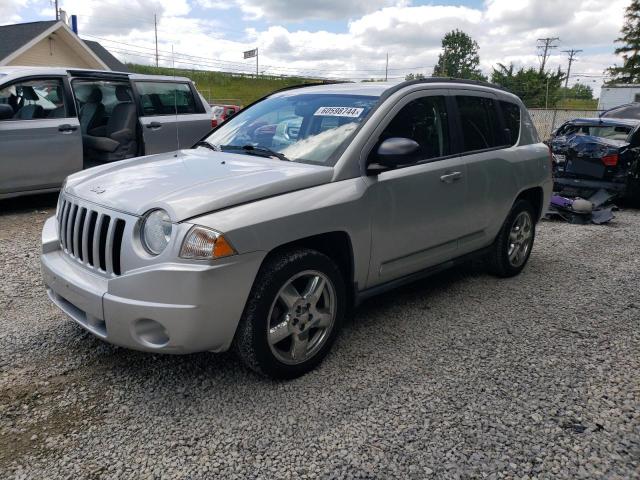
(166, 98)
(511, 115)
(479, 122)
(425, 121)
(35, 99)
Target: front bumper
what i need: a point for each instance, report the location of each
(164, 308)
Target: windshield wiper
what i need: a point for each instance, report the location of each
(257, 150)
(204, 143)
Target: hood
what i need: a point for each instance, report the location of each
(190, 183)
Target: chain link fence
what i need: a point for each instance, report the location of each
(546, 120)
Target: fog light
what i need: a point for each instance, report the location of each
(150, 333)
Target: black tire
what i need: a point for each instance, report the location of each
(498, 260)
(251, 339)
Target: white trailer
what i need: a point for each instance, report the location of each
(616, 95)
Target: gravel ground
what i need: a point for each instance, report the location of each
(459, 376)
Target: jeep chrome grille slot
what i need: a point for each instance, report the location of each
(91, 237)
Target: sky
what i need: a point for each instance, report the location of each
(341, 38)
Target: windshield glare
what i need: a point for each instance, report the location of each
(304, 127)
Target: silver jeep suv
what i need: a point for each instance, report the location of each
(264, 234)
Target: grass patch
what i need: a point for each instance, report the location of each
(227, 87)
(578, 104)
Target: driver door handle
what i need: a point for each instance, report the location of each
(66, 128)
(154, 125)
(451, 177)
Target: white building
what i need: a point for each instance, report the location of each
(616, 95)
(52, 44)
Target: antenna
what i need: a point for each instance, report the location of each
(175, 95)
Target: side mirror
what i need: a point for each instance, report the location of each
(6, 112)
(394, 152)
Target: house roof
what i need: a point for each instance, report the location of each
(112, 62)
(15, 37)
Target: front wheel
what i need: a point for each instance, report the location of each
(512, 247)
(293, 314)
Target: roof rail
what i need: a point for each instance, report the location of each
(462, 81)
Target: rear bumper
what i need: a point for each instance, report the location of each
(594, 184)
(166, 308)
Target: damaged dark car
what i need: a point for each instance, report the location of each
(593, 154)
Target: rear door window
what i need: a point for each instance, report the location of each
(479, 122)
(511, 116)
(166, 98)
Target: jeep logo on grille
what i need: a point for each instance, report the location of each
(98, 189)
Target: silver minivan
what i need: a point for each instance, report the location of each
(57, 121)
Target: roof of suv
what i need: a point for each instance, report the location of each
(21, 71)
(388, 88)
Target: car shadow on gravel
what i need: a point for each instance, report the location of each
(142, 372)
(28, 203)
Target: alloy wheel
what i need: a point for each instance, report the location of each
(301, 317)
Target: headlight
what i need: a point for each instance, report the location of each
(58, 205)
(155, 232)
(204, 243)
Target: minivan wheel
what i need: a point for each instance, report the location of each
(293, 314)
(512, 247)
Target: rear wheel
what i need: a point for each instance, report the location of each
(512, 247)
(293, 314)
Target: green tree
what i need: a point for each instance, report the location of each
(629, 72)
(459, 57)
(414, 76)
(578, 91)
(536, 89)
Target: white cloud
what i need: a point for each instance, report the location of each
(506, 31)
(287, 10)
(9, 10)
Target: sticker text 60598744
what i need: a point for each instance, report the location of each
(352, 112)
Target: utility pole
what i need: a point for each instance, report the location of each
(257, 73)
(57, 11)
(155, 26)
(386, 70)
(545, 45)
(572, 53)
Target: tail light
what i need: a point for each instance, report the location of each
(610, 160)
(214, 123)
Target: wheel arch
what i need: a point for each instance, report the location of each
(336, 245)
(535, 196)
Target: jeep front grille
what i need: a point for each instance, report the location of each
(94, 238)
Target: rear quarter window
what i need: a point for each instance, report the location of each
(511, 116)
(166, 98)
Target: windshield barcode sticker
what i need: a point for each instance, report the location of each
(351, 112)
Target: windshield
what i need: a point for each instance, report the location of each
(625, 111)
(303, 127)
(612, 132)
